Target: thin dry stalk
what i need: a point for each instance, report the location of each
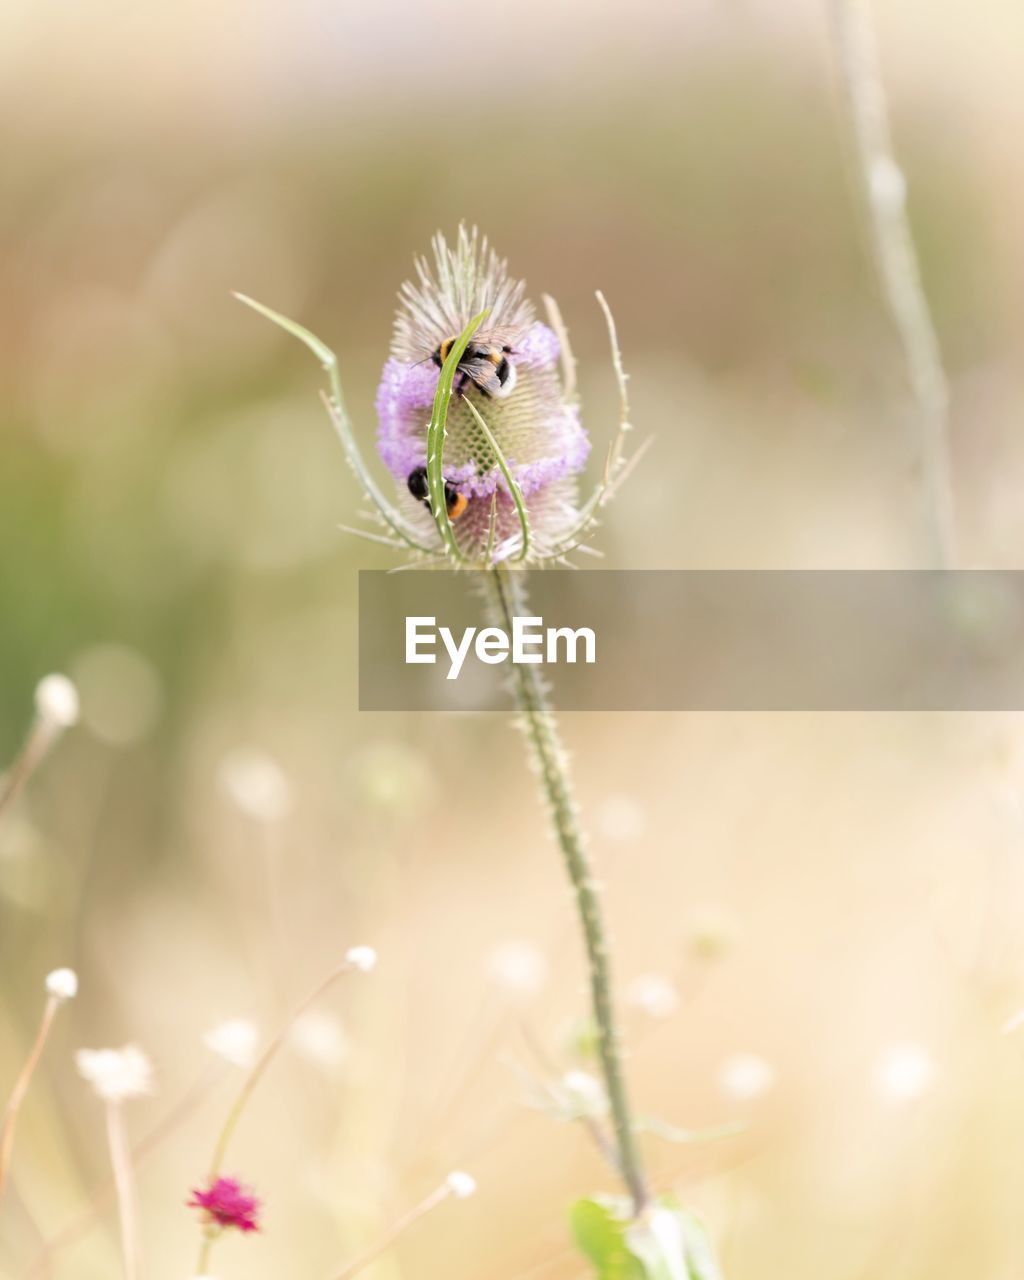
(41, 738)
(20, 1089)
(884, 191)
(348, 965)
(124, 1181)
(397, 1228)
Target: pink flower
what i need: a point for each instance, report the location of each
(226, 1203)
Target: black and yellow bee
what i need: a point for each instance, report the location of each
(455, 502)
(486, 365)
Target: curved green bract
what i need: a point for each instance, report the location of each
(587, 514)
(436, 435)
(513, 484)
(340, 419)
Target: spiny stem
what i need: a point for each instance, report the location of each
(21, 1088)
(121, 1160)
(542, 735)
(898, 268)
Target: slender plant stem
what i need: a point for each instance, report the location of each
(21, 1088)
(121, 1160)
(541, 731)
(397, 1228)
(884, 191)
(249, 1087)
(41, 738)
(103, 1197)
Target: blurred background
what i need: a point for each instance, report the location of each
(816, 918)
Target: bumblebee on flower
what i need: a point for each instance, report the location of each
(509, 375)
(477, 383)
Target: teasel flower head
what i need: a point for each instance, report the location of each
(512, 441)
(478, 418)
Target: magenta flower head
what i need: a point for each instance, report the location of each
(478, 421)
(225, 1203)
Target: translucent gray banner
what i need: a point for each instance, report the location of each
(717, 641)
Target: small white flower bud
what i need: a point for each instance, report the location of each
(461, 1185)
(62, 984)
(236, 1041)
(57, 701)
(362, 958)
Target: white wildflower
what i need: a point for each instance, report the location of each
(116, 1074)
(57, 701)
(461, 1185)
(62, 984)
(362, 958)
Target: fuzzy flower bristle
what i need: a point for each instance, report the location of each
(507, 444)
(528, 414)
(461, 282)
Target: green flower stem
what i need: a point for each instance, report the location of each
(248, 1088)
(541, 732)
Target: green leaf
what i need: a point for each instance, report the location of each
(436, 434)
(599, 1231)
(666, 1242)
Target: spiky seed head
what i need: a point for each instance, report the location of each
(535, 425)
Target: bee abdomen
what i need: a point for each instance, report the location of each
(455, 502)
